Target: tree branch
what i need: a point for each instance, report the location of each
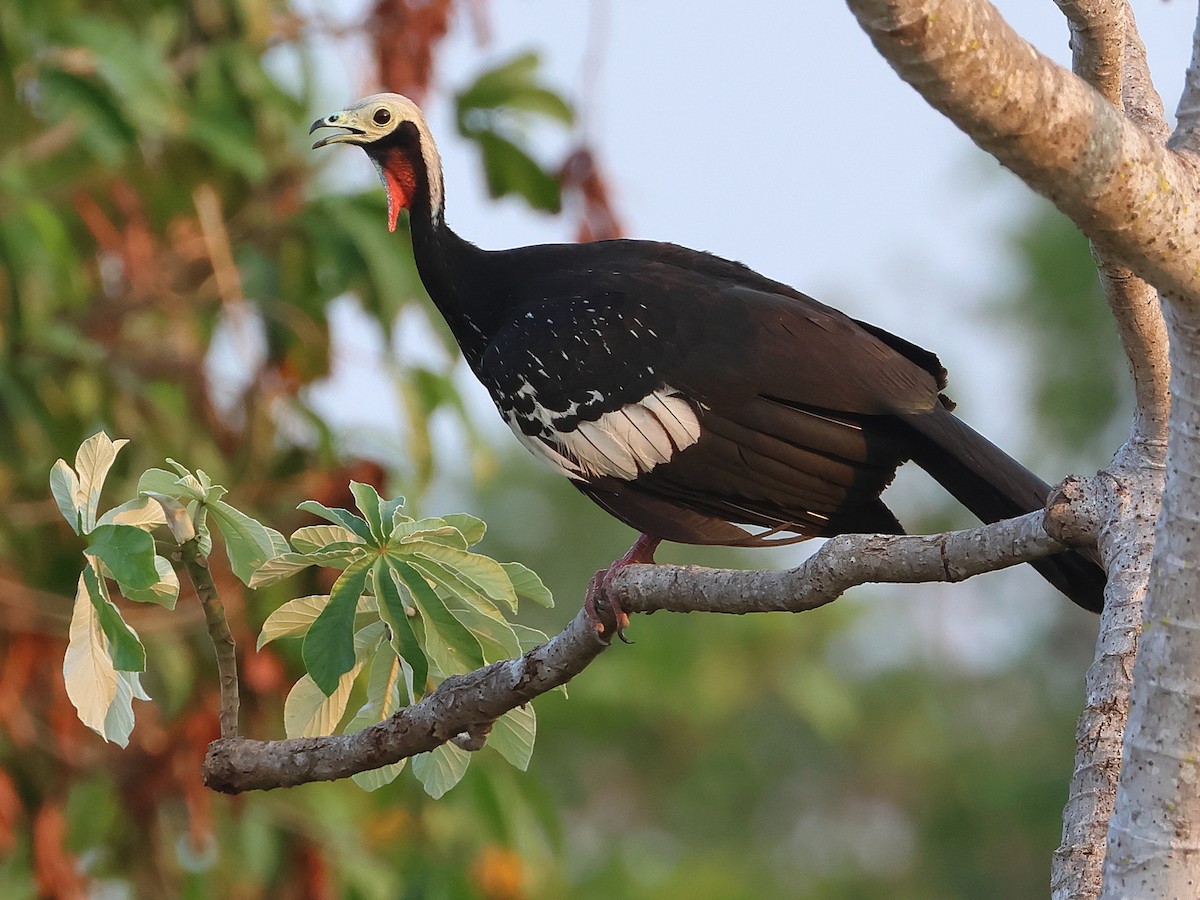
(1110, 56)
(1187, 114)
(1124, 190)
(468, 704)
(1153, 849)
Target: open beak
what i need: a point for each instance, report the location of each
(344, 120)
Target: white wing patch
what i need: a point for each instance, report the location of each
(624, 443)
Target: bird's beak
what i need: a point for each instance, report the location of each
(344, 119)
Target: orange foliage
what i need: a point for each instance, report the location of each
(499, 874)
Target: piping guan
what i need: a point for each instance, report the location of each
(689, 396)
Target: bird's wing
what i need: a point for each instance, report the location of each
(666, 389)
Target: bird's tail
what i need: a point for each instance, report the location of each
(994, 486)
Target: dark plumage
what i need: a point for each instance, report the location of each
(686, 394)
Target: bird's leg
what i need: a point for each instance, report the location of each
(642, 552)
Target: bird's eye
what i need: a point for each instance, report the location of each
(382, 116)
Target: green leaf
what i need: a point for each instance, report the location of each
(311, 712)
(480, 571)
(390, 513)
(288, 564)
(102, 696)
(128, 554)
(512, 86)
(142, 512)
(383, 699)
(88, 671)
(160, 481)
(527, 584)
(415, 529)
(470, 527)
(475, 611)
(248, 542)
(328, 649)
(341, 517)
(292, 619)
(447, 640)
(92, 463)
(125, 650)
(165, 592)
(64, 485)
(317, 538)
(510, 170)
(367, 500)
(392, 610)
(529, 637)
(513, 735)
(441, 769)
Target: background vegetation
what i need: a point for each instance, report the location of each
(158, 204)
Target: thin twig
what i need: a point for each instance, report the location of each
(218, 630)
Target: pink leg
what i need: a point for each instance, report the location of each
(642, 552)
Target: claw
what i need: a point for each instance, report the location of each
(642, 551)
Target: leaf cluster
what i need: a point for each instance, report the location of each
(412, 605)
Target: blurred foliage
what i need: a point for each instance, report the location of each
(157, 201)
(1081, 388)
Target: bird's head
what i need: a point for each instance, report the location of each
(393, 132)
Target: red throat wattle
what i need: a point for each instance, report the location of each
(401, 182)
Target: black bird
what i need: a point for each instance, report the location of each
(691, 397)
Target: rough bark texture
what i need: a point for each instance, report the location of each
(1094, 145)
(1154, 846)
(1116, 182)
(463, 707)
(218, 632)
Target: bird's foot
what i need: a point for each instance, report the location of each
(642, 552)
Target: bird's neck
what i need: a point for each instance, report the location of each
(454, 272)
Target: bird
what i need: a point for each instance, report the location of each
(689, 396)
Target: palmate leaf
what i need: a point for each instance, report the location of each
(165, 592)
(141, 512)
(293, 619)
(92, 463)
(472, 528)
(248, 542)
(528, 584)
(64, 486)
(384, 674)
(342, 517)
(286, 565)
(159, 481)
(310, 711)
(447, 641)
(316, 538)
(513, 735)
(393, 610)
(128, 554)
(483, 572)
(328, 648)
(441, 769)
(474, 610)
(417, 529)
(102, 696)
(124, 647)
(367, 499)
